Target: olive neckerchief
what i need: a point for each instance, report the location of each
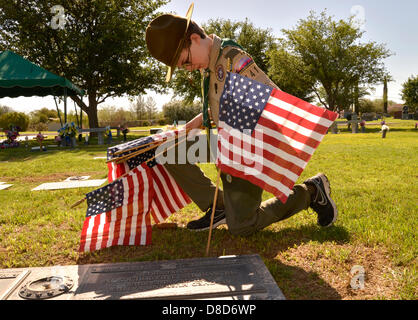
(205, 83)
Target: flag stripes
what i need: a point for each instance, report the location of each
(286, 134)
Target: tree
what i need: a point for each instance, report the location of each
(144, 109)
(300, 83)
(367, 105)
(331, 54)
(43, 115)
(256, 41)
(385, 96)
(138, 107)
(101, 48)
(151, 108)
(113, 115)
(410, 93)
(5, 109)
(14, 118)
(178, 110)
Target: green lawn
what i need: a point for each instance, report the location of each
(374, 183)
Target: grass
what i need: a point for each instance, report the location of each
(374, 183)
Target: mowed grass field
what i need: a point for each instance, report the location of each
(374, 183)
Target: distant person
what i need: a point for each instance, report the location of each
(363, 126)
(384, 130)
(58, 140)
(125, 131)
(40, 138)
(348, 123)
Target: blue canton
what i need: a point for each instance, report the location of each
(105, 199)
(242, 102)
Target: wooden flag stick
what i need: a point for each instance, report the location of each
(142, 145)
(126, 173)
(136, 153)
(215, 198)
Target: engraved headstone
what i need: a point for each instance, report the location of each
(354, 123)
(229, 277)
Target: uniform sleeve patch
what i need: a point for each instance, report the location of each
(242, 63)
(220, 73)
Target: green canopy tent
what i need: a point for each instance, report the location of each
(20, 77)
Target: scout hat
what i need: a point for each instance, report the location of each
(165, 36)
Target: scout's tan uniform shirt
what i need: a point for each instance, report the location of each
(231, 59)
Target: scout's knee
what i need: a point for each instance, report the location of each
(243, 230)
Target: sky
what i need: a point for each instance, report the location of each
(388, 22)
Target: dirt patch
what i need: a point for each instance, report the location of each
(53, 177)
(355, 272)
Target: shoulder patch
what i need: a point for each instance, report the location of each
(220, 72)
(242, 64)
(232, 52)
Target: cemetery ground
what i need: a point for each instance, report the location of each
(374, 183)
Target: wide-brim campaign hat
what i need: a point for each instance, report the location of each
(165, 37)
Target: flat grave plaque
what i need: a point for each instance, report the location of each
(70, 184)
(229, 277)
(77, 178)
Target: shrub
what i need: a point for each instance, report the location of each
(14, 118)
(41, 126)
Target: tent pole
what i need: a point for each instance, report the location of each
(65, 105)
(76, 115)
(81, 114)
(58, 111)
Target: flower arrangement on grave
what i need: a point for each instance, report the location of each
(69, 130)
(12, 133)
(108, 132)
(72, 130)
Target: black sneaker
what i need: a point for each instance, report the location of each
(322, 203)
(204, 222)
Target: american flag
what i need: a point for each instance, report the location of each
(267, 136)
(120, 213)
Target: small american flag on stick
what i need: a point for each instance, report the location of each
(267, 136)
(120, 213)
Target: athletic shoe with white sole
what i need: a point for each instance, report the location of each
(204, 222)
(322, 203)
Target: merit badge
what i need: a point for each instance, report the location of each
(220, 73)
(228, 178)
(242, 64)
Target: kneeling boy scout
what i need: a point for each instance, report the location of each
(179, 42)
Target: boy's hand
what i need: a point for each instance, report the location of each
(195, 123)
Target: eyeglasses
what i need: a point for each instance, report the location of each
(188, 61)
